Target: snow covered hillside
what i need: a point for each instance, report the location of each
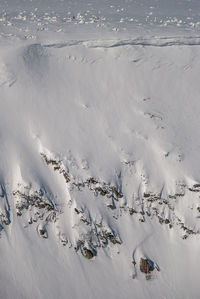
(99, 144)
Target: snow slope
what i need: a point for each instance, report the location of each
(99, 119)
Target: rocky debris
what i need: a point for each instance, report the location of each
(101, 191)
(57, 166)
(116, 192)
(151, 115)
(4, 208)
(42, 209)
(150, 197)
(77, 211)
(85, 220)
(113, 238)
(65, 175)
(87, 253)
(111, 206)
(132, 211)
(49, 161)
(157, 267)
(43, 233)
(105, 236)
(188, 231)
(148, 213)
(156, 206)
(146, 265)
(146, 195)
(99, 237)
(37, 199)
(167, 221)
(92, 181)
(4, 219)
(99, 188)
(38, 206)
(63, 240)
(195, 188)
(87, 249)
(142, 219)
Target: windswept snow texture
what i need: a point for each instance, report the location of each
(99, 149)
(78, 18)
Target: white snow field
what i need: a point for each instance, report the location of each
(99, 149)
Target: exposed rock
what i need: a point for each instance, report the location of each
(92, 181)
(85, 220)
(195, 188)
(41, 206)
(112, 238)
(146, 266)
(142, 220)
(146, 195)
(43, 233)
(161, 220)
(132, 211)
(77, 211)
(112, 207)
(63, 240)
(157, 267)
(167, 221)
(36, 199)
(101, 191)
(87, 253)
(57, 166)
(117, 193)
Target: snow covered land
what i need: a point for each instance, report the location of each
(100, 149)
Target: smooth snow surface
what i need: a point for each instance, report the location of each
(99, 144)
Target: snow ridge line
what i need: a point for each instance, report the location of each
(152, 42)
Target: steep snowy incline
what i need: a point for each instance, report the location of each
(99, 167)
(105, 105)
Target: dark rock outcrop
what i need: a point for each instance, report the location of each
(146, 266)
